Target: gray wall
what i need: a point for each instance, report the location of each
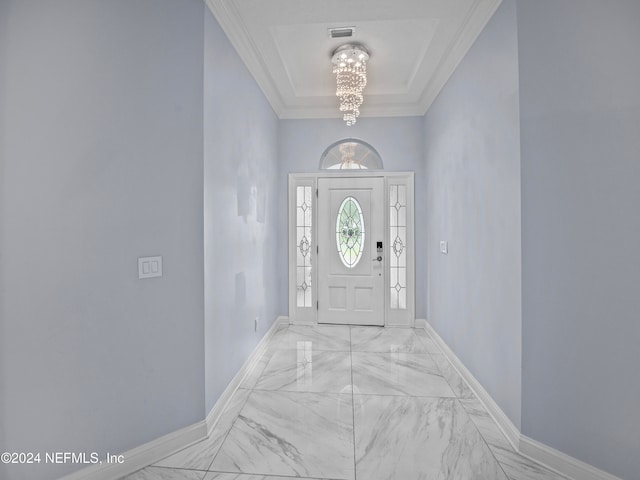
(580, 109)
(102, 143)
(240, 213)
(472, 154)
(398, 140)
(3, 44)
(102, 140)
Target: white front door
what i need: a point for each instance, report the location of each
(349, 264)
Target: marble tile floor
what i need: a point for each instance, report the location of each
(351, 403)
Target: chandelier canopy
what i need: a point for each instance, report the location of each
(350, 66)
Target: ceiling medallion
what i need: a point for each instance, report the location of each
(350, 66)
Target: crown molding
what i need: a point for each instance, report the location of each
(371, 111)
(231, 23)
(230, 20)
(467, 34)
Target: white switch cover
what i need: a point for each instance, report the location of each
(149, 267)
(444, 247)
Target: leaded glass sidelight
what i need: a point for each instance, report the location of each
(303, 246)
(398, 246)
(350, 232)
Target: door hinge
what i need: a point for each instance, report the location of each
(316, 193)
(317, 249)
(317, 305)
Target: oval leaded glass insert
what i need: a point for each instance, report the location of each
(350, 232)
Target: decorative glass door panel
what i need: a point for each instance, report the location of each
(303, 246)
(350, 232)
(398, 243)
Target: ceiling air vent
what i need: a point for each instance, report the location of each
(342, 32)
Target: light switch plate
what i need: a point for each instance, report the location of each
(149, 267)
(444, 247)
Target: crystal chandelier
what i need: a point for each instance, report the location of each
(350, 66)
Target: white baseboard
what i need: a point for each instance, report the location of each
(246, 369)
(143, 455)
(155, 450)
(561, 462)
(554, 459)
(509, 430)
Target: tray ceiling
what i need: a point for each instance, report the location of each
(415, 45)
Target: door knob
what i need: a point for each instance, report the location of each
(378, 258)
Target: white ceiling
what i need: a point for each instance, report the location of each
(414, 46)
